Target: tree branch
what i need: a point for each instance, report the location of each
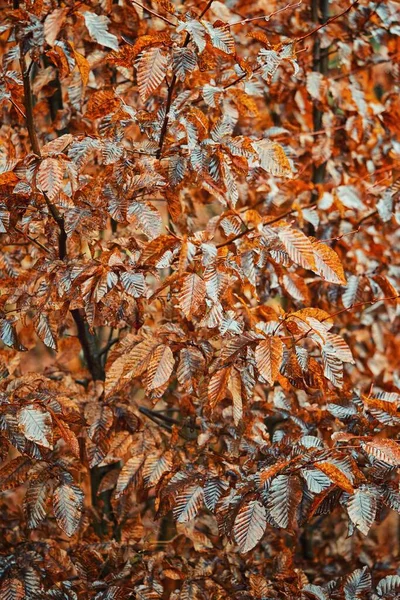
(87, 339)
(164, 127)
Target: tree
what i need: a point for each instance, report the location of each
(199, 307)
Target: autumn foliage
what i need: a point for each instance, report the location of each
(199, 300)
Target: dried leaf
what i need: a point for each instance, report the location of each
(283, 498)
(36, 425)
(357, 583)
(188, 503)
(327, 263)
(67, 505)
(336, 476)
(249, 525)
(361, 507)
(50, 177)
(192, 295)
(14, 472)
(128, 474)
(36, 499)
(151, 70)
(160, 367)
(298, 246)
(269, 355)
(97, 27)
(273, 158)
(387, 451)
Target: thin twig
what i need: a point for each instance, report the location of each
(156, 419)
(366, 217)
(107, 347)
(265, 17)
(33, 240)
(17, 108)
(365, 67)
(326, 23)
(339, 237)
(152, 12)
(206, 8)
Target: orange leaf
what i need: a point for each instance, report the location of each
(336, 476)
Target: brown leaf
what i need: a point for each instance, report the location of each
(50, 177)
(160, 367)
(386, 450)
(192, 295)
(336, 476)
(269, 355)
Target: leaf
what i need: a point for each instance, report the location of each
(183, 62)
(298, 246)
(50, 177)
(58, 145)
(361, 507)
(67, 505)
(196, 31)
(317, 481)
(14, 473)
(358, 582)
(336, 476)
(221, 38)
(388, 585)
(53, 23)
(270, 471)
(269, 60)
(160, 367)
(387, 451)
(100, 418)
(352, 292)
(43, 329)
(188, 503)
(317, 591)
(97, 27)
(119, 446)
(235, 388)
(8, 335)
(35, 502)
(4, 218)
(83, 66)
(272, 158)
(336, 345)
(213, 490)
(155, 466)
(316, 85)
(190, 368)
(327, 263)
(133, 283)
(36, 425)
(333, 367)
(269, 355)
(12, 589)
(151, 68)
(249, 525)
(217, 386)
(192, 295)
(283, 498)
(146, 218)
(128, 473)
